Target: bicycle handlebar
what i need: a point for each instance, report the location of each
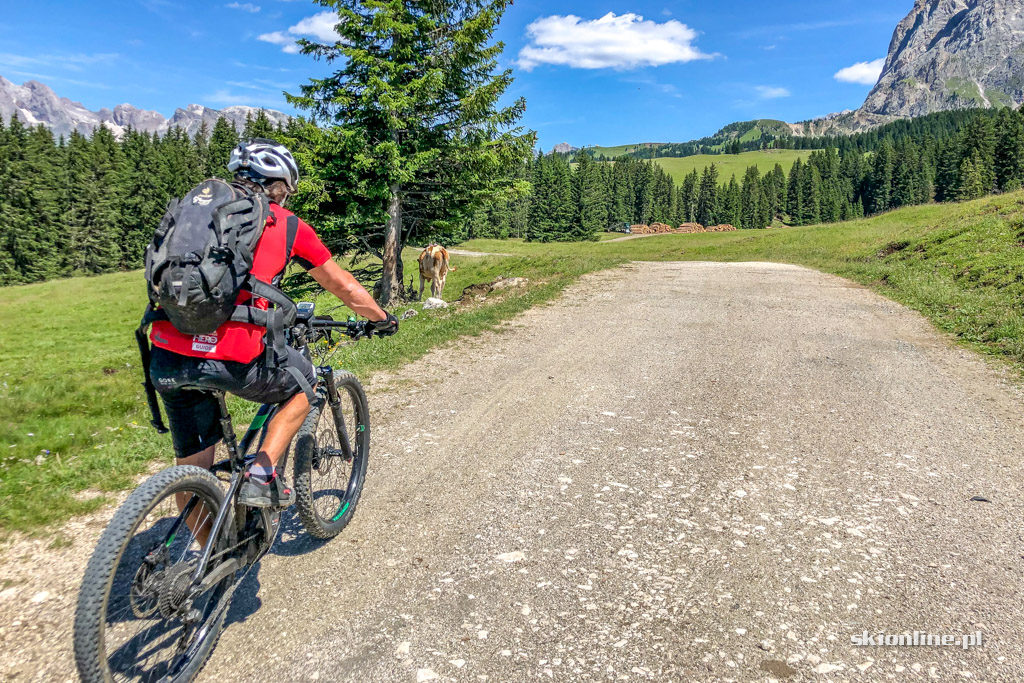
(356, 329)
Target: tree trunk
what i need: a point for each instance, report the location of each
(390, 289)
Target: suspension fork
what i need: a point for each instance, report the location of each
(334, 401)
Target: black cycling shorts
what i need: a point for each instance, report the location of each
(193, 416)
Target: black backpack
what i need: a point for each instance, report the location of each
(198, 263)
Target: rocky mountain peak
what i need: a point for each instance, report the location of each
(34, 103)
(950, 54)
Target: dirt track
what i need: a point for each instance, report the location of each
(678, 471)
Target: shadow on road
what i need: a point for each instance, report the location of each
(292, 541)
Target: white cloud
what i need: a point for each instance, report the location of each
(71, 62)
(863, 73)
(228, 98)
(319, 26)
(283, 39)
(624, 41)
(770, 92)
(244, 6)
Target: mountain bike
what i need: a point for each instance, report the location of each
(157, 588)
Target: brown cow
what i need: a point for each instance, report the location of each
(434, 267)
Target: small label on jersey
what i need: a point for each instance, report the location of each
(204, 343)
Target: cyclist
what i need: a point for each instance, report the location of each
(232, 359)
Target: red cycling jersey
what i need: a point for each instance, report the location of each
(242, 342)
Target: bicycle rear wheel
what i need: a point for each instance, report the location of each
(134, 621)
(328, 482)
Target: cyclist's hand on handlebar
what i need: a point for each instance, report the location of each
(383, 328)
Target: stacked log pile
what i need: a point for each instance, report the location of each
(690, 228)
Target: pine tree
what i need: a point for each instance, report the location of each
(732, 204)
(259, 126)
(589, 194)
(201, 143)
(93, 169)
(778, 182)
(795, 196)
(980, 141)
(223, 139)
(689, 194)
(553, 209)
(752, 199)
(905, 180)
(1009, 154)
(707, 197)
(34, 206)
(8, 271)
(972, 178)
(810, 189)
(181, 167)
(881, 179)
(143, 199)
(947, 174)
(416, 100)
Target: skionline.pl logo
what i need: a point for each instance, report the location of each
(917, 638)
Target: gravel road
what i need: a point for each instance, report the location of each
(678, 471)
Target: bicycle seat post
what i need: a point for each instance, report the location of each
(228, 431)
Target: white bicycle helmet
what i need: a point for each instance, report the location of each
(262, 159)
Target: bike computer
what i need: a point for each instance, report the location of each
(304, 311)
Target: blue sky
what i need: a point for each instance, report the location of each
(604, 72)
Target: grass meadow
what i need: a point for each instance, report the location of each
(73, 416)
(732, 164)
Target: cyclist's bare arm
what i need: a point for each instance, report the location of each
(341, 284)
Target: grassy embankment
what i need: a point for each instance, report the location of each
(69, 376)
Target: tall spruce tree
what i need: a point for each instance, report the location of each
(8, 271)
(689, 194)
(973, 178)
(795, 195)
(416, 102)
(707, 197)
(35, 203)
(223, 139)
(259, 126)
(92, 220)
(590, 198)
(1009, 154)
(553, 211)
(752, 198)
(881, 179)
(143, 197)
(980, 142)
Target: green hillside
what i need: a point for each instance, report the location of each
(749, 131)
(620, 150)
(730, 164)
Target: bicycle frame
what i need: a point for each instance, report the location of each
(238, 459)
(236, 464)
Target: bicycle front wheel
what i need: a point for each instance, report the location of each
(135, 619)
(329, 477)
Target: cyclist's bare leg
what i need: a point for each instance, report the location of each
(282, 429)
(201, 516)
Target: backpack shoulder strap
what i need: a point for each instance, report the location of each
(291, 232)
(141, 338)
